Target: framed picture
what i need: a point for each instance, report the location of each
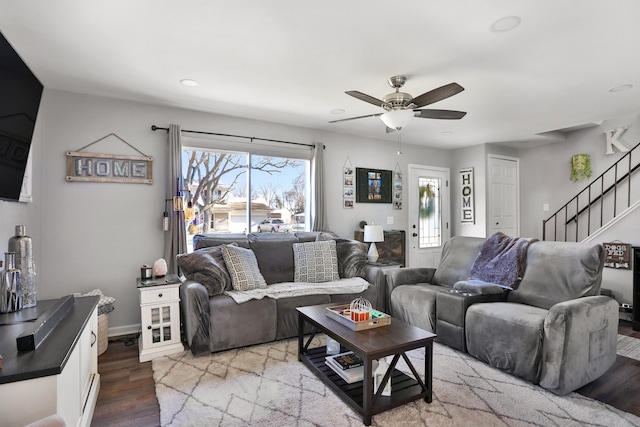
(373, 186)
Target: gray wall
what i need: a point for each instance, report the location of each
(96, 235)
(544, 173)
(89, 235)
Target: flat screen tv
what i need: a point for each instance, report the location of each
(20, 94)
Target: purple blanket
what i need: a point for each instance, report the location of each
(501, 260)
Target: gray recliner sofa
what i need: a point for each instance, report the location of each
(554, 329)
(216, 322)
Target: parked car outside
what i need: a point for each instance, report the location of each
(273, 225)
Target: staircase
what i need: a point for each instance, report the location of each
(607, 199)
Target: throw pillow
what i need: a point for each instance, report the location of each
(352, 255)
(352, 258)
(243, 268)
(206, 266)
(315, 262)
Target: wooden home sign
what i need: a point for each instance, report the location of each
(93, 167)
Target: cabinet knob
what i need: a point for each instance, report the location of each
(160, 295)
(149, 327)
(415, 234)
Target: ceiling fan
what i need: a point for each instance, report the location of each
(401, 107)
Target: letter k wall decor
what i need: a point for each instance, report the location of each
(94, 167)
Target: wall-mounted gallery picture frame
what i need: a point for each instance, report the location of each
(397, 187)
(373, 185)
(348, 185)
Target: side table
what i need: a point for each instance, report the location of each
(160, 317)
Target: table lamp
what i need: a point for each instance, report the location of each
(373, 234)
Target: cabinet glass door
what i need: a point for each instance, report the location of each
(161, 324)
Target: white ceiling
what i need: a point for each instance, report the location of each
(290, 61)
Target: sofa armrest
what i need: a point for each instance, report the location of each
(407, 276)
(479, 287)
(579, 343)
(376, 277)
(196, 315)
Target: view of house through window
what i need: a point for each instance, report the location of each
(224, 195)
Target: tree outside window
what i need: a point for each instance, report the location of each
(216, 187)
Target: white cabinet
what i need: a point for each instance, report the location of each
(59, 377)
(160, 319)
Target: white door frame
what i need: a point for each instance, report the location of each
(490, 225)
(414, 258)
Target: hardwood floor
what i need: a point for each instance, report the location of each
(127, 392)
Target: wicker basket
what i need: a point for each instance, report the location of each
(103, 333)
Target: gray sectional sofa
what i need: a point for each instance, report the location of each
(554, 329)
(213, 321)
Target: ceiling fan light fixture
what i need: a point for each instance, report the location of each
(397, 119)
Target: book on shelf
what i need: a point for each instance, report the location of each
(351, 375)
(347, 360)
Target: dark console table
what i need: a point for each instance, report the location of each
(393, 247)
(636, 289)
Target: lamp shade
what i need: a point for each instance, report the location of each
(373, 233)
(397, 119)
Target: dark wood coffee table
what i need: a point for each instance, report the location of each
(371, 344)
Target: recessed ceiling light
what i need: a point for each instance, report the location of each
(447, 132)
(189, 82)
(337, 111)
(621, 88)
(505, 24)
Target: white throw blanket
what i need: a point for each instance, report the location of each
(295, 289)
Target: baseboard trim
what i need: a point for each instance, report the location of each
(117, 331)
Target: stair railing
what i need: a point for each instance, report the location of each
(598, 203)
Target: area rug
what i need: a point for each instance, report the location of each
(266, 385)
(629, 347)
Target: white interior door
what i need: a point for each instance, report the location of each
(503, 196)
(428, 203)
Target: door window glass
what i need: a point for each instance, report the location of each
(430, 212)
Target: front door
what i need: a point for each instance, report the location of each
(428, 214)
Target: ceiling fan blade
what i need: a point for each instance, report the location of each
(436, 95)
(366, 98)
(440, 114)
(355, 118)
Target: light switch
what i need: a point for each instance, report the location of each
(389, 220)
(545, 207)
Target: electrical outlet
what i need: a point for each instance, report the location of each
(545, 207)
(389, 220)
(625, 305)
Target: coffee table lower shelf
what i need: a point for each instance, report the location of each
(404, 389)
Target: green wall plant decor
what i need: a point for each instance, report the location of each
(580, 167)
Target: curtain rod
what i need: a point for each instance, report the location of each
(155, 128)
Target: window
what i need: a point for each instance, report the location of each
(430, 224)
(228, 196)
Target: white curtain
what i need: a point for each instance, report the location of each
(175, 239)
(319, 220)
